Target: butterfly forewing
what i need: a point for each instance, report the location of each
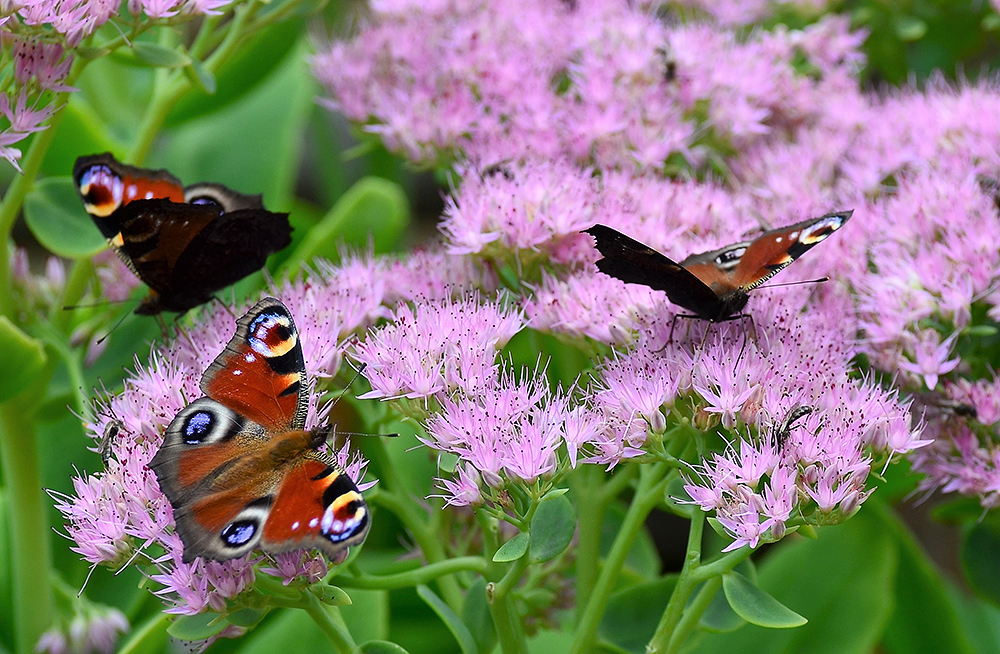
(632, 262)
(712, 285)
(775, 250)
(261, 373)
(106, 184)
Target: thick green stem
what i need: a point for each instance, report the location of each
(685, 586)
(30, 550)
(510, 635)
(693, 613)
(412, 578)
(587, 485)
(425, 533)
(647, 496)
(334, 628)
(679, 618)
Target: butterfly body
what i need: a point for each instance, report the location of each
(237, 465)
(185, 243)
(713, 285)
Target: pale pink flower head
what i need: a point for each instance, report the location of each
(931, 357)
(93, 629)
(436, 347)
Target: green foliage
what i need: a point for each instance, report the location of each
(52, 213)
(513, 549)
(981, 561)
(455, 625)
(842, 583)
(634, 613)
(756, 606)
(23, 358)
(552, 529)
(374, 210)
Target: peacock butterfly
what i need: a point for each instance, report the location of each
(238, 466)
(714, 285)
(185, 243)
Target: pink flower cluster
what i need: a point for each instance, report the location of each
(964, 456)
(604, 83)
(42, 35)
(584, 107)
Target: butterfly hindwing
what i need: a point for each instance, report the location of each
(202, 450)
(238, 467)
(317, 505)
(635, 263)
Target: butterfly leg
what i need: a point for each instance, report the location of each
(753, 325)
(187, 337)
(225, 307)
(673, 323)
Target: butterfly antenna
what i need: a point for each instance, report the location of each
(91, 305)
(818, 280)
(357, 373)
(112, 330)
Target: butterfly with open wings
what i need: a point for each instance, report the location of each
(238, 466)
(714, 285)
(185, 243)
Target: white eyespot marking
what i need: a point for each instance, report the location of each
(250, 358)
(313, 523)
(793, 236)
(205, 421)
(131, 190)
(243, 533)
(261, 329)
(779, 239)
(296, 525)
(149, 195)
(237, 372)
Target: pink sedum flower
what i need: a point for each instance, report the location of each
(436, 347)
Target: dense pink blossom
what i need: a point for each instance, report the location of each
(487, 79)
(436, 347)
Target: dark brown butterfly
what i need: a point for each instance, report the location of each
(185, 243)
(712, 285)
(238, 466)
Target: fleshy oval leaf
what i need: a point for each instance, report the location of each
(513, 549)
(757, 607)
(552, 529)
(55, 216)
(197, 627)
